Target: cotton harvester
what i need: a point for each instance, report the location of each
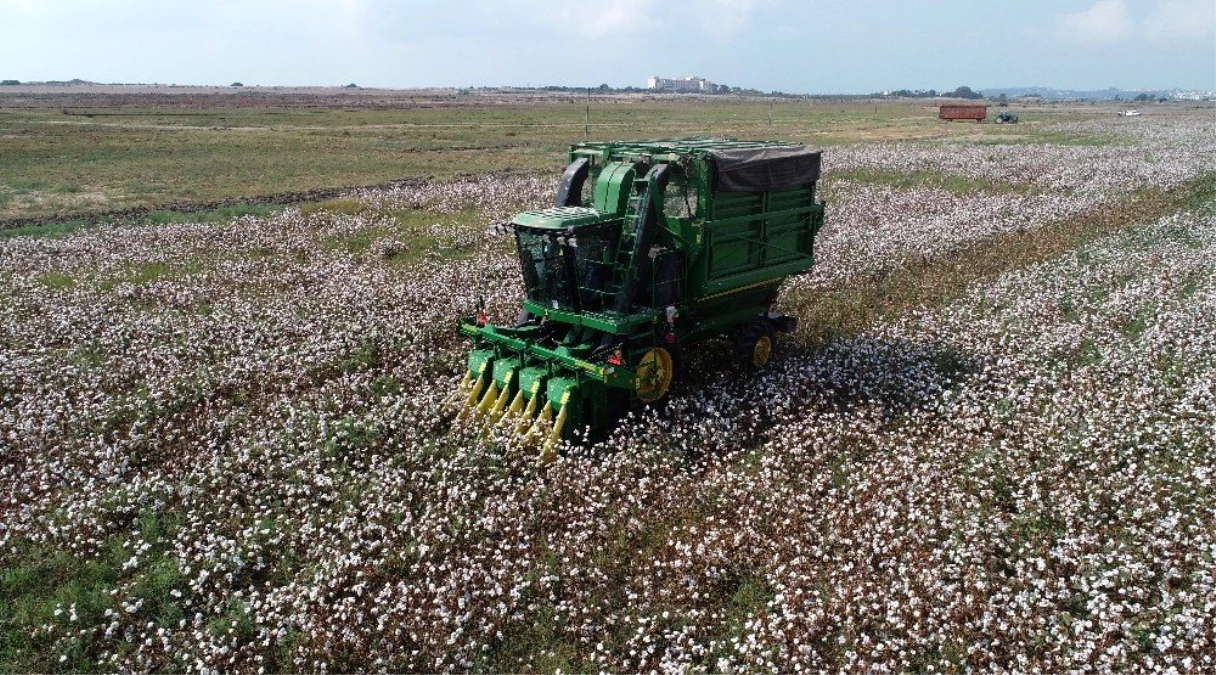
(650, 248)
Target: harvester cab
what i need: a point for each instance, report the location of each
(650, 248)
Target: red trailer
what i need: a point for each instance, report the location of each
(962, 111)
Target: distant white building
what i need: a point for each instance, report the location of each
(693, 83)
(1180, 95)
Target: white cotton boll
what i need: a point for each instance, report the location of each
(267, 428)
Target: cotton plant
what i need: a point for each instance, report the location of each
(252, 422)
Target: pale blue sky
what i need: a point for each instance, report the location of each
(812, 46)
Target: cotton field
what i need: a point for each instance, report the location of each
(229, 446)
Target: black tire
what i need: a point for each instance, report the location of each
(755, 345)
(679, 371)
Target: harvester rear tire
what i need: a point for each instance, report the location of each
(755, 345)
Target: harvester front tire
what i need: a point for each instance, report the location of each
(657, 372)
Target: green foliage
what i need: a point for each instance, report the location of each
(386, 385)
(148, 272)
(913, 93)
(57, 281)
(24, 186)
(236, 622)
(220, 215)
(966, 92)
(750, 597)
(351, 434)
(41, 585)
(401, 237)
(1136, 326)
(1089, 354)
(49, 231)
(533, 644)
(1201, 194)
(365, 356)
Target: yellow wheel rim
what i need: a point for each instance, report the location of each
(762, 352)
(655, 373)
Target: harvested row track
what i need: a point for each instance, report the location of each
(225, 444)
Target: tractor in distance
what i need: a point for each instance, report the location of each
(650, 248)
(1006, 117)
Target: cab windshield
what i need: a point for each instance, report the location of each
(570, 269)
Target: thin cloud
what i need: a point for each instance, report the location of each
(1185, 19)
(595, 18)
(1106, 21)
(726, 17)
(23, 6)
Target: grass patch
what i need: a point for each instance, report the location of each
(533, 645)
(88, 356)
(41, 583)
(386, 385)
(38, 581)
(1137, 324)
(405, 237)
(236, 622)
(366, 356)
(50, 231)
(25, 186)
(57, 281)
(146, 273)
(1088, 354)
(750, 598)
(221, 215)
(356, 242)
(907, 180)
(145, 156)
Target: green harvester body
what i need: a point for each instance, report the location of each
(650, 248)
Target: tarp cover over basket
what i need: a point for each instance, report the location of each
(768, 169)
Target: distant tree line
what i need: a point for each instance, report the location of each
(961, 92)
(53, 83)
(607, 89)
(910, 93)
